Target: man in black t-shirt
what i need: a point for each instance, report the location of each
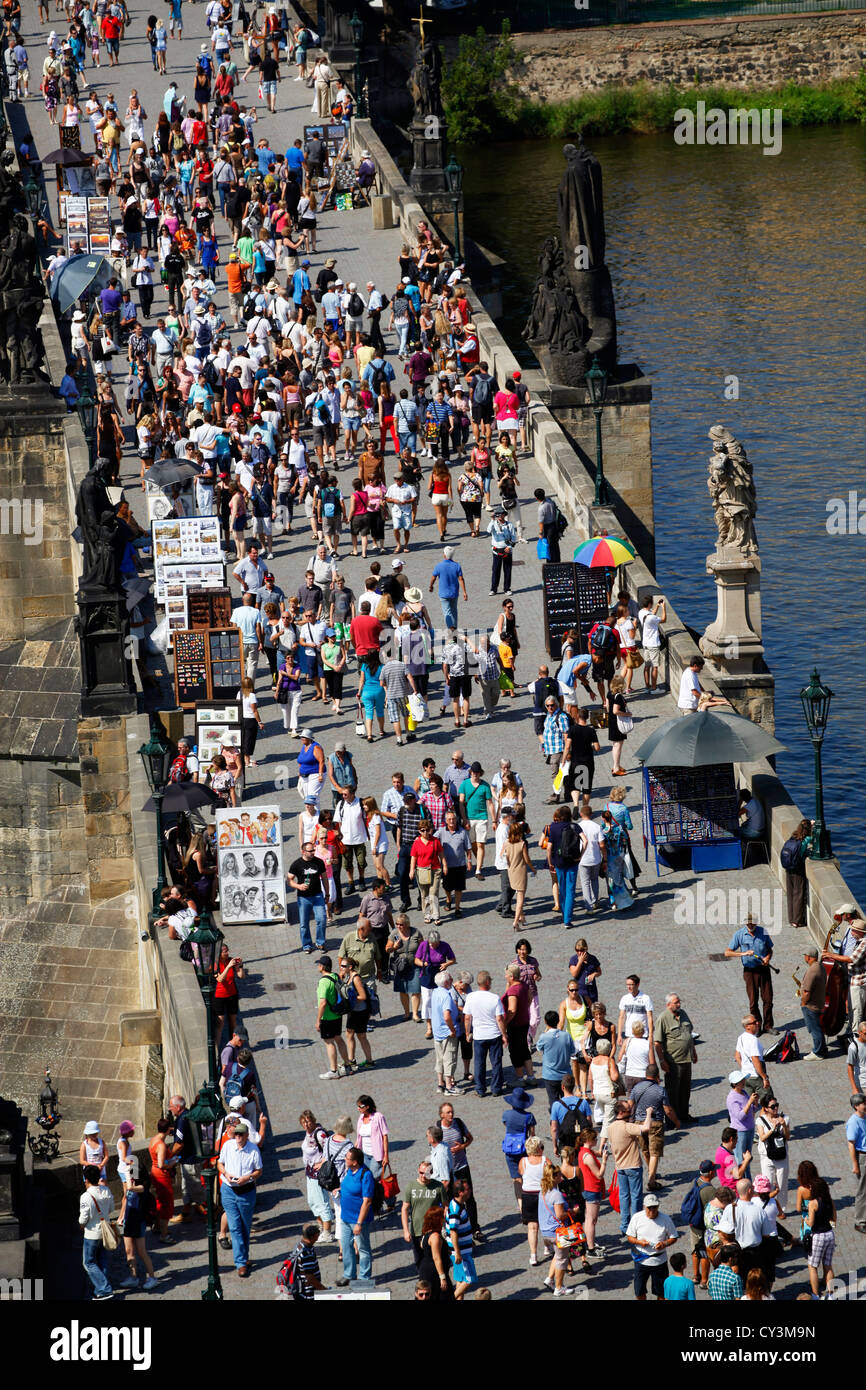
(270, 76)
(309, 876)
(584, 746)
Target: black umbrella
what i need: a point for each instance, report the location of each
(68, 158)
(184, 796)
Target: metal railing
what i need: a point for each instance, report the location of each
(526, 15)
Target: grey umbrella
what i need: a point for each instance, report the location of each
(69, 158)
(76, 276)
(170, 471)
(697, 740)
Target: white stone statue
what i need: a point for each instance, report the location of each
(732, 491)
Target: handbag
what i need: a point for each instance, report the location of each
(564, 770)
(425, 876)
(186, 950)
(613, 1191)
(542, 548)
(633, 659)
(390, 1184)
(505, 681)
(625, 722)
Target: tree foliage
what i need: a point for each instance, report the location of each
(480, 101)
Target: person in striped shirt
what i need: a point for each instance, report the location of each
(459, 1229)
(307, 1277)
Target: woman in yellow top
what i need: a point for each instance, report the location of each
(574, 1017)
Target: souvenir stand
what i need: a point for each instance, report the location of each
(693, 808)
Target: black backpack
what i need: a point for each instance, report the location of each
(570, 1126)
(377, 378)
(569, 844)
(355, 306)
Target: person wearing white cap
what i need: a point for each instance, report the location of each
(852, 954)
(354, 308)
(649, 1233)
(94, 1150)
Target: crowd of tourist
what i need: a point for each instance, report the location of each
(313, 408)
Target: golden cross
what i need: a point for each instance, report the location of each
(421, 21)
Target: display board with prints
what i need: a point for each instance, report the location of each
(250, 864)
(217, 726)
(188, 540)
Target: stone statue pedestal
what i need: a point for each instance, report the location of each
(107, 681)
(429, 150)
(733, 640)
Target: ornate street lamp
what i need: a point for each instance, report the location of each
(454, 179)
(156, 757)
(206, 940)
(596, 385)
(86, 408)
(357, 26)
(815, 699)
(204, 1116)
(47, 1145)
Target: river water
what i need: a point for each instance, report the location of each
(727, 262)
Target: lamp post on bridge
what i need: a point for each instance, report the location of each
(815, 699)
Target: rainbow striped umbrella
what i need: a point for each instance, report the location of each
(604, 552)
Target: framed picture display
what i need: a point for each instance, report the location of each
(250, 864)
(188, 540)
(217, 725)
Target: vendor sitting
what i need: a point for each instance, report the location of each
(752, 815)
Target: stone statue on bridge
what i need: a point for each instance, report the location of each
(589, 303)
(21, 297)
(425, 81)
(732, 490)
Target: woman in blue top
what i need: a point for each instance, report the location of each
(519, 1125)
(620, 812)
(616, 840)
(186, 170)
(371, 696)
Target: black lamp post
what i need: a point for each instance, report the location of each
(596, 385)
(454, 178)
(357, 26)
(815, 699)
(86, 408)
(156, 757)
(206, 941)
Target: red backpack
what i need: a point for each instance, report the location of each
(179, 770)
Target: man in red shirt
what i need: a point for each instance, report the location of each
(111, 33)
(365, 631)
(468, 347)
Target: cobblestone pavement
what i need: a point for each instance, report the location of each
(280, 986)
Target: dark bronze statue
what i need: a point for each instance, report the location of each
(573, 317)
(91, 507)
(21, 296)
(425, 81)
(555, 321)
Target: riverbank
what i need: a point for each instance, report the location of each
(633, 79)
(642, 109)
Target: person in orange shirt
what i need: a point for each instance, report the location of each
(236, 286)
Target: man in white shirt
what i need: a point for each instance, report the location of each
(239, 1167)
(250, 571)
(649, 1233)
(349, 816)
(484, 1020)
(747, 1221)
(247, 372)
(592, 845)
(506, 892)
(247, 619)
(324, 568)
(635, 1007)
(690, 686)
(650, 617)
(749, 1051)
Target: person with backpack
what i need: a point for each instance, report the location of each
(792, 857)
(329, 1018)
(482, 388)
(300, 1277)
(563, 858)
(312, 1153)
(702, 1191)
(137, 1212)
(603, 642)
(570, 1113)
(549, 524)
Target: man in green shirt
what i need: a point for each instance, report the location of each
(475, 794)
(361, 946)
(329, 1022)
(417, 1199)
(674, 1039)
